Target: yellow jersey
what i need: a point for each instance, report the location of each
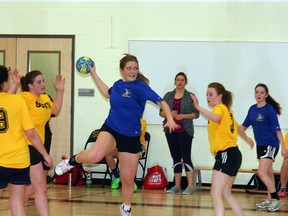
(222, 134)
(40, 109)
(14, 120)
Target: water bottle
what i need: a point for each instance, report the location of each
(89, 179)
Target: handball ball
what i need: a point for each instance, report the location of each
(82, 64)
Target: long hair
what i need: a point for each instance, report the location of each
(127, 58)
(29, 78)
(227, 96)
(269, 99)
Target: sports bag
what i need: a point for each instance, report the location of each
(255, 184)
(155, 178)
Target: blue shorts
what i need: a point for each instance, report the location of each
(14, 176)
(124, 143)
(228, 161)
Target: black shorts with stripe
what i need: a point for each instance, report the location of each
(267, 152)
(228, 161)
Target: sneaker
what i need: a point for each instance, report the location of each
(274, 205)
(124, 212)
(135, 188)
(282, 194)
(115, 182)
(188, 191)
(263, 205)
(174, 189)
(63, 167)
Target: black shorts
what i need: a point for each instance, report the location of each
(124, 143)
(47, 145)
(228, 161)
(14, 176)
(267, 152)
(36, 157)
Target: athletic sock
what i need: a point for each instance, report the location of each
(73, 161)
(115, 173)
(283, 189)
(274, 195)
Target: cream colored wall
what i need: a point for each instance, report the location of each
(103, 30)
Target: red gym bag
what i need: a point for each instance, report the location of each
(155, 178)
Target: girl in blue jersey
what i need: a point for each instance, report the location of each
(262, 116)
(122, 127)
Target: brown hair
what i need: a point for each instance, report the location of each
(181, 74)
(29, 79)
(128, 58)
(226, 95)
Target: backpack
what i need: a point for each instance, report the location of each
(155, 178)
(78, 177)
(255, 184)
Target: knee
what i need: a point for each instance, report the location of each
(94, 157)
(178, 167)
(261, 174)
(285, 163)
(212, 193)
(41, 189)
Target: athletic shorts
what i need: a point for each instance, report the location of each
(14, 176)
(124, 143)
(36, 157)
(267, 152)
(228, 161)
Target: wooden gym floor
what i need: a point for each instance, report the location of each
(81, 201)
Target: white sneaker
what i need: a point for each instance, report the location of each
(63, 167)
(264, 204)
(124, 212)
(274, 205)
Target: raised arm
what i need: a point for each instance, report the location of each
(58, 101)
(103, 88)
(16, 77)
(206, 113)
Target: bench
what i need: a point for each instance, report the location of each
(198, 178)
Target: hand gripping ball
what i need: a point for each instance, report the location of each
(82, 64)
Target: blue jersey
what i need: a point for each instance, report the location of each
(264, 122)
(127, 101)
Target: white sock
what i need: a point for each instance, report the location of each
(126, 207)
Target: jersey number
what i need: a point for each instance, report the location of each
(3, 121)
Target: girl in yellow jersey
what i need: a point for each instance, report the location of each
(40, 109)
(15, 123)
(222, 134)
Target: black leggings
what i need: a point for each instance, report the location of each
(180, 145)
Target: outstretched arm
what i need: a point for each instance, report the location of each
(168, 115)
(103, 88)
